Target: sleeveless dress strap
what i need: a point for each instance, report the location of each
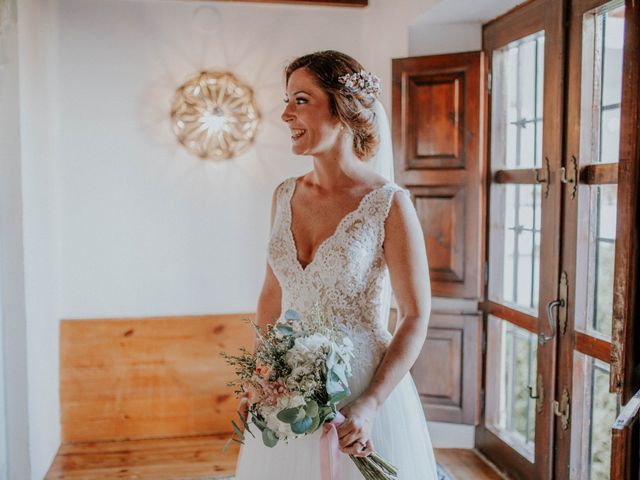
(389, 190)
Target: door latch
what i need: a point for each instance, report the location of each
(563, 409)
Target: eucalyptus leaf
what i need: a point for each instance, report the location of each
(291, 315)
(269, 437)
(302, 426)
(261, 424)
(336, 397)
(290, 415)
(284, 329)
(315, 423)
(312, 408)
(330, 416)
(246, 425)
(325, 410)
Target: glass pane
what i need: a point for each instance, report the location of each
(603, 414)
(515, 245)
(517, 88)
(603, 38)
(601, 87)
(612, 24)
(602, 257)
(597, 412)
(511, 413)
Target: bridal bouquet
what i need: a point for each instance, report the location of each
(293, 381)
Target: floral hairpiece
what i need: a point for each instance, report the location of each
(362, 81)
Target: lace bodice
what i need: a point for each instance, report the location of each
(346, 274)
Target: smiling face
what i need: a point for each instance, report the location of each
(314, 130)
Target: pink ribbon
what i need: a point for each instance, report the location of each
(329, 451)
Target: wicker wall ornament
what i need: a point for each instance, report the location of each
(214, 115)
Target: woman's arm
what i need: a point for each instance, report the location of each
(269, 301)
(406, 259)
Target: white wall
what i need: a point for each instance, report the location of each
(145, 228)
(37, 59)
(451, 26)
(14, 448)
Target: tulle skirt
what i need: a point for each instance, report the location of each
(399, 434)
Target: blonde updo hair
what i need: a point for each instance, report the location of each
(354, 109)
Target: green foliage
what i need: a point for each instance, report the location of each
(291, 415)
(269, 437)
(312, 408)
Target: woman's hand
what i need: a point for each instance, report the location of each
(355, 432)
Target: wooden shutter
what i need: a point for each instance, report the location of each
(437, 120)
(437, 103)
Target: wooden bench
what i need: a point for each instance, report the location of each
(148, 397)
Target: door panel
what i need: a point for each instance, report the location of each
(600, 264)
(525, 50)
(447, 372)
(437, 137)
(438, 114)
(443, 210)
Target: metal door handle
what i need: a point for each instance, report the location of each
(542, 338)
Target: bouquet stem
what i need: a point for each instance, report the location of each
(374, 467)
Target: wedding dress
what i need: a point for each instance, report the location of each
(346, 277)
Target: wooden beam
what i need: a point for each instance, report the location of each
(324, 3)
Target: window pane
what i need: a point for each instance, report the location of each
(511, 413)
(602, 257)
(596, 414)
(603, 38)
(612, 24)
(517, 103)
(515, 245)
(603, 414)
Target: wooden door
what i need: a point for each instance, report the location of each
(525, 53)
(599, 240)
(437, 129)
(581, 180)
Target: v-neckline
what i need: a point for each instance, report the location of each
(348, 215)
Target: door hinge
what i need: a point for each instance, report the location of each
(482, 400)
(563, 409)
(570, 176)
(489, 80)
(547, 179)
(539, 395)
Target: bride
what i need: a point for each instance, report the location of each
(341, 237)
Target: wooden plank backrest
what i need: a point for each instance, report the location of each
(148, 377)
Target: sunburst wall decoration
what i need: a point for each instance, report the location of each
(215, 116)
